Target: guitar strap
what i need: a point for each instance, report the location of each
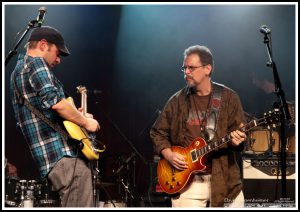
(22, 100)
(213, 117)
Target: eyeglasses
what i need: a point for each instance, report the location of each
(191, 68)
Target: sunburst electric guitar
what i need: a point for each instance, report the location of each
(90, 145)
(172, 180)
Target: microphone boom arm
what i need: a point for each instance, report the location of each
(13, 52)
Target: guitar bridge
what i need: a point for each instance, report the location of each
(97, 146)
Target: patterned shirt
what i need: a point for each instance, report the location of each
(36, 83)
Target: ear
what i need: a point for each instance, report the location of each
(43, 45)
(208, 69)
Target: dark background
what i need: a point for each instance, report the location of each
(133, 54)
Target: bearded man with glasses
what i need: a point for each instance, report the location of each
(203, 111)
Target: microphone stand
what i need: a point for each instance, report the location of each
(127, 140)
(284, 114)
(31, 24)
(125, 163)
(95, 178)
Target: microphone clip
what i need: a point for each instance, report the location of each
(265, 30)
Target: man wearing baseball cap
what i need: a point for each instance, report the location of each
(58, 159)
(51, 35)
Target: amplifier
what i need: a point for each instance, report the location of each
(263, 182)
(267, 168)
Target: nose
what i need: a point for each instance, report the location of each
(186, 70)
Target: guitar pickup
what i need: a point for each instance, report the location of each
(194, 155)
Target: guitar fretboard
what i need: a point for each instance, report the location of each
(218, 143)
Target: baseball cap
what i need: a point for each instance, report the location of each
(52, 35)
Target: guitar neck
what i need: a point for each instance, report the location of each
(84, 103)
(218, 143)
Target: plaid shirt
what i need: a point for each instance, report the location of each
(36, 83)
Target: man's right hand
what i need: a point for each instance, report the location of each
(92, 125)
(69, 112)
(177, 160)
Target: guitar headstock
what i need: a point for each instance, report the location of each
(271, 119)
(81, 89)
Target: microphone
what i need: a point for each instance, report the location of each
(41, 16)
(264, 29)
(95, 92)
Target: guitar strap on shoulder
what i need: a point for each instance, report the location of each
(22, 100)
(215, 106)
